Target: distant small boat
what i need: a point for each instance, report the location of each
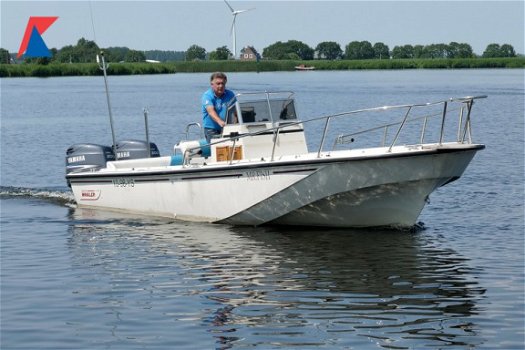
(303, 67)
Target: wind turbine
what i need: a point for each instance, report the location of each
(234, 14)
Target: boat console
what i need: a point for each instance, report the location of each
(269, 118)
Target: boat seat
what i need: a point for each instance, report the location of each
(248, 116)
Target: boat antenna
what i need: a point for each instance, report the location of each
(103, 66)
(92, 22)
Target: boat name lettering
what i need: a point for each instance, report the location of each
(123, 182)
(258, 175)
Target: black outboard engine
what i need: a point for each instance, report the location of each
(87, 157)
(134, 149)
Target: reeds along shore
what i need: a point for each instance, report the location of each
(89, 69)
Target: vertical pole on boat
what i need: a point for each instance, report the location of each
(147, 131)
(441, 135)
(103, 66)
(275, 136)
(400, 128)
(323, 138)
(423, 130)
(460, 123)
(467, 122)
(385, 134)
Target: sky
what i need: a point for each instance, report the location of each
(176, 25)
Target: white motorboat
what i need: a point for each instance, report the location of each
(262, 170)
(303, 67)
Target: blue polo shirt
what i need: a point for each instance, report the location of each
(220, 104)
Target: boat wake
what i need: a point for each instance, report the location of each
(56, 196)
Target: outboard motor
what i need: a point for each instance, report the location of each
(87, 157)
(134, 149)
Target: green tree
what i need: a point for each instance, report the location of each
(164, 56)
(418, 51)
(291, 49)
(459, 50)
(452, 49)
(276, 51)
(381, 51)
(87, 50)
(405, 51)
(329, 50)
(5, 58)
(84, 51)
(116, 54)
(495, 50)
(220, 54)
(352, 50)
(492, 50)
(135, 56)
(195, 52)
(435, 51)
(66, 54)
(302, 50)
(359, 50)
(507, 51)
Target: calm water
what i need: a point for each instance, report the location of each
(84, 279)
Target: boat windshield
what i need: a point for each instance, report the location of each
(262, 108)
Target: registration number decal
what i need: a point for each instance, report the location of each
(123, 182)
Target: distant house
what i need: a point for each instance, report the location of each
(249, 54)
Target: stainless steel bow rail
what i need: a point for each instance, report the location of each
(410, 115)
(464, 130)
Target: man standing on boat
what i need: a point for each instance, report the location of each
(215, 103)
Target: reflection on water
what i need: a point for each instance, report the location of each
(273, 287)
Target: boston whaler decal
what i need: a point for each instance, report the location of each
(90, 195)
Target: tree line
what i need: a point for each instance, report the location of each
(356, 50)
(85, 51)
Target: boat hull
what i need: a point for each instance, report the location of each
(364, 193)
(387, 189)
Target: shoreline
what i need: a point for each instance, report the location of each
(92, 69)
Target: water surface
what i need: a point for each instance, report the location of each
(87, 279)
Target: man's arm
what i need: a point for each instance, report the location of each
(213, 114)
